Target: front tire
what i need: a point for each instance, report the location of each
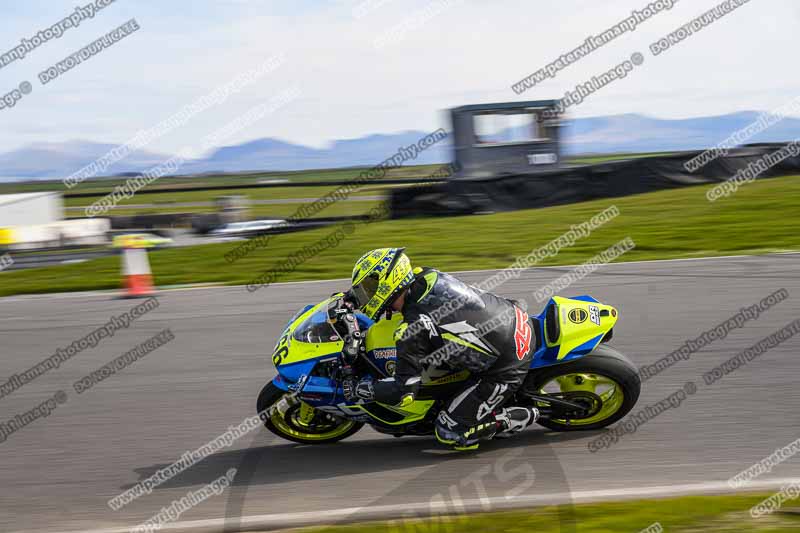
(301, 422)
(604, 374)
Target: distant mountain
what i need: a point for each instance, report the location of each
(261, 154)
(58, 160)
(610, 134)
(363, 151)
(637, 133)
(273, 154)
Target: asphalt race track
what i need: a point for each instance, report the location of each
(58, 472)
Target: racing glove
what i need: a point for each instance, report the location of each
(358, 390)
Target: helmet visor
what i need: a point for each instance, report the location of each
(365, 290)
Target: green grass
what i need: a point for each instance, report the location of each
(106, 185)
(721, 514)
(103, 186)
(172, 185)
(589, 159)
(761, 217)
(273, 193)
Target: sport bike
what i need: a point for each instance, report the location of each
(576, 380)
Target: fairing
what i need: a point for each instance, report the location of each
(305, 350)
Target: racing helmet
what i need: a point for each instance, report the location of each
(378, 278)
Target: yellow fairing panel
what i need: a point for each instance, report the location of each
(413, 412)
(381, 334)
(580, 322)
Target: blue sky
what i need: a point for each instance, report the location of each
(468, 51)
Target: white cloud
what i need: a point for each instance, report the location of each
(471, 53)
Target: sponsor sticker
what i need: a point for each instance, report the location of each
(385, 353)
(578, 316)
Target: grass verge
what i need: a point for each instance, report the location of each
(763, 216)
(103, 186)
(604, 158)
(276, 193)
(691, 514)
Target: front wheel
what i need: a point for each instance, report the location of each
(299, 422)
(604, 381)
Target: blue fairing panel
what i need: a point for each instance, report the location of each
(281, 383)
(317, 390)
(548, 356)
(585, 298)
(293, 371)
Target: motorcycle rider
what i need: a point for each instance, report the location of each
(446, 324)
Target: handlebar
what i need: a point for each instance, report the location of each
(341, 316)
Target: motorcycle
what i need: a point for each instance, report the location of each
(576, 380)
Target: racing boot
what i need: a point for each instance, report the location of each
(467, 438)
(514, 419)
(505, 423)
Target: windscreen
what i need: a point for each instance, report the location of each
(316, 329)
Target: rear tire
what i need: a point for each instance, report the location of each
(606, 363)
(289, 429)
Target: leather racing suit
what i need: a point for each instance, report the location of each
(448, 324)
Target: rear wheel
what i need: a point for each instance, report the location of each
(604, 382)
(299, 422)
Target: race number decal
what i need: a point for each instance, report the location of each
(594, 314)
(522, 334)
(281, 351)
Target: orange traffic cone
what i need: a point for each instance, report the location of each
(136, 271)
